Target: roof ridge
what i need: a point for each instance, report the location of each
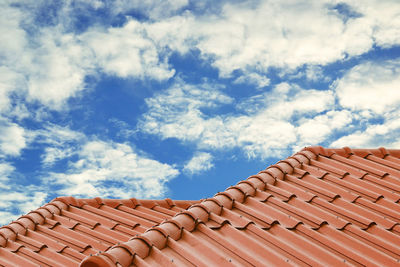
(347, 151)
(30, 220)
(131, 202)
(188, 219)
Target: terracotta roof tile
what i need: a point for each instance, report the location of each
(318, 207)
(66, 230)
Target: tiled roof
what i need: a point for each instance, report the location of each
(66, 230)
(318, 207)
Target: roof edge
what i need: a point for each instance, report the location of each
(30, 220)
(347, 151)
(123, 254)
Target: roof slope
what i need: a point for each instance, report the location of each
(66, 230)
(318, 207)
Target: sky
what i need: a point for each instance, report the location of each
(182, 99)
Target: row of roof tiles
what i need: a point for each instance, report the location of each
(318, 207)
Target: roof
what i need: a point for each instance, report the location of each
(66, 230)
(317, 207)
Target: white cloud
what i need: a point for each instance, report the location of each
(113, 170)
(382, 17)
(100, 168)
(318, 129)
(370, 90)
(13, 138)
(288, 35)
(127, 52)
(48, 65)
(176, 113)
(6, 169)
(58, 135)
(253, 78)
(384, 134)
(60, 142)
(16, 199)
(315, 73)
(57, 70)
(371, 86)
(6, 217)
(9, 80)
(252, 37)
(200, 162)
(125, 130)
(96, 168)
(267, 126)
(14, 37)
(51, 63)
(152, 8)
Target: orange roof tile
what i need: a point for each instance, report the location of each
(317, 207)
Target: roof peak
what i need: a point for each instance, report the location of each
(131, 202)
(347, 151)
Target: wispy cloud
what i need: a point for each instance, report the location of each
(17, 199)
(60, 143)
(200, 162)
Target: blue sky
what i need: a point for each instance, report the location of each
(182, 99)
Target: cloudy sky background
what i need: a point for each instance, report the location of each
(181, 99)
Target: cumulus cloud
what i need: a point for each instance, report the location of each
(57, 70)
(318, 129)
(127, 52)
(370, 90)
(254, 36)
(200, 162)
(48, 65)
(381, 16)
(284, 35)
(51, 64)
(111, 169)
(13, 138)
(371, 86)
